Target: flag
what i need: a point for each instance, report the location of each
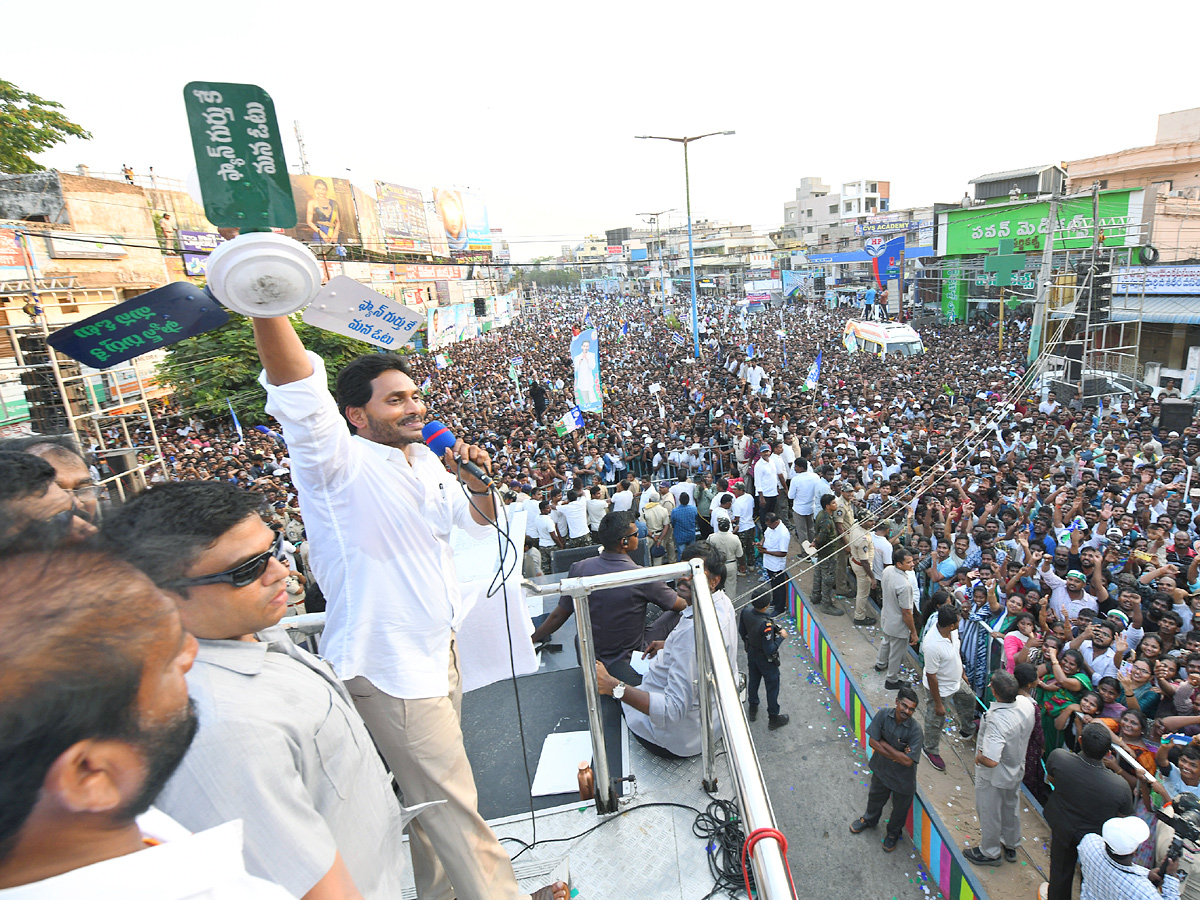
(425, 385)
(849, 342)
(572, 420)
(678, 339)
(441, 361)
(1097, 422)
(814, 374)
(625, 329)
(750, 351)
(237, 426)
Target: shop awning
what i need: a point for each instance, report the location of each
(1175, 309)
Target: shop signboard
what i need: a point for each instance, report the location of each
(979, 229)
(1157, 280)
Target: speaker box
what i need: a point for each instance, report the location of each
(1175, 415)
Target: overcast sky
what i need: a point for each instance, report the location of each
(536, 104)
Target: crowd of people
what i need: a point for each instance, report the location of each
(1041, 558)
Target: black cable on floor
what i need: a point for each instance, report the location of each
(721, 825)
(613, 817)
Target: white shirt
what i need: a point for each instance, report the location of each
(777, 538)
(532, 511)
(576, 515)
(883, 557)
(379, 527)
(942, 661)
(596, 510)
(743, 511)
(622, 500)
(803, 492)
(545, 530)
(766, 477)
(203, 866)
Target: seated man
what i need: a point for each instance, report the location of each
(618, 614)
(281, 746)
(95, 714)
(664, 712)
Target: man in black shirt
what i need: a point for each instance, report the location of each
(896, 741)
(1086, 795)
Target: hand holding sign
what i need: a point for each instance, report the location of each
(346, 307)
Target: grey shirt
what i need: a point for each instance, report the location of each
(1004, 733)
(281, 747)
(905, 737)
(897, 596)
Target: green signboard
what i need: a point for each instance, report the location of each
(239, 156)
(980, 229)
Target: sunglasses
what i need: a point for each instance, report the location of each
(241, 575)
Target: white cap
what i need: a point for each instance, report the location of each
(1124, 835)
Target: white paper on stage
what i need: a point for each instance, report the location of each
(558, 766)
(483, 645)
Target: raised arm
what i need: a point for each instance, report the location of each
(280, 350)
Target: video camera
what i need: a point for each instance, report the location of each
(1186, 823)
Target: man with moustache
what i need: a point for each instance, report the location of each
(95, 713)
(320, 816)
(378, 508)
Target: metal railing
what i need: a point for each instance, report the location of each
(716, 686)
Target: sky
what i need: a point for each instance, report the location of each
(536, 104)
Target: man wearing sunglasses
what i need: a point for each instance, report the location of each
(35, 513)
(378, 508)
(280, 744)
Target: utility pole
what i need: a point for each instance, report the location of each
(1043, 294)
(303, 155)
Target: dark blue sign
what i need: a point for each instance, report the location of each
(155, 319)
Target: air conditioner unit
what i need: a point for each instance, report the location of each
(1177, 193)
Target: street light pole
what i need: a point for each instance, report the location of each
(655, 220)
(687, 187)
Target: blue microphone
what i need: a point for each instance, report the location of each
(439, 439)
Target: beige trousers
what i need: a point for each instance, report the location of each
(454, 852)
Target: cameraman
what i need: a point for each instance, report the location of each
(1108, 869)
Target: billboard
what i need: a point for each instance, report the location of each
(196, 245)
(324, 210)
(463, 222)
(402, 217)
(447, 325)
(13, 256)
(370, 233)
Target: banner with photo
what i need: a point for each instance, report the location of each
(585, 356)
(796, 284)
(324, 211)
(370, 233)
(463, 222)
(402, 217)
(446, 325)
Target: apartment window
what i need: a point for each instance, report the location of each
(1103, 184)
(791, 215)
(833, 210)
(808, 213)
(849, 206)
(870, 203)
(873, 188)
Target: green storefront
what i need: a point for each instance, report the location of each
(967, 234)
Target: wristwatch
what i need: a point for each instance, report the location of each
(619, 691)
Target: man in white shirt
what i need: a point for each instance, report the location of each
(622, 499)
(548, 537)
(803, 493)
(532, 508)
(575, 515)
(774, 547)
(742, 510)
(766, 481)
(883, 549)
(86, 750)
(597, 508)
(943, 678)
(1096, 644)
(378, 509)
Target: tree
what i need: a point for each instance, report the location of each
(30, 124)
(220, 367)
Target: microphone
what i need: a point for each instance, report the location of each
(439, 439)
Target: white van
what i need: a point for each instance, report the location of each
(886, 338)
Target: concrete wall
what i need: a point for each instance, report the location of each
(34, 197)
(1183, 125)
(97, 206)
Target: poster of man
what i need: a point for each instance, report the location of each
(464, 222)
(402, 216)
(324, 211)
(585, 355)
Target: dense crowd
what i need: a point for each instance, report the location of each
(1052, 542)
